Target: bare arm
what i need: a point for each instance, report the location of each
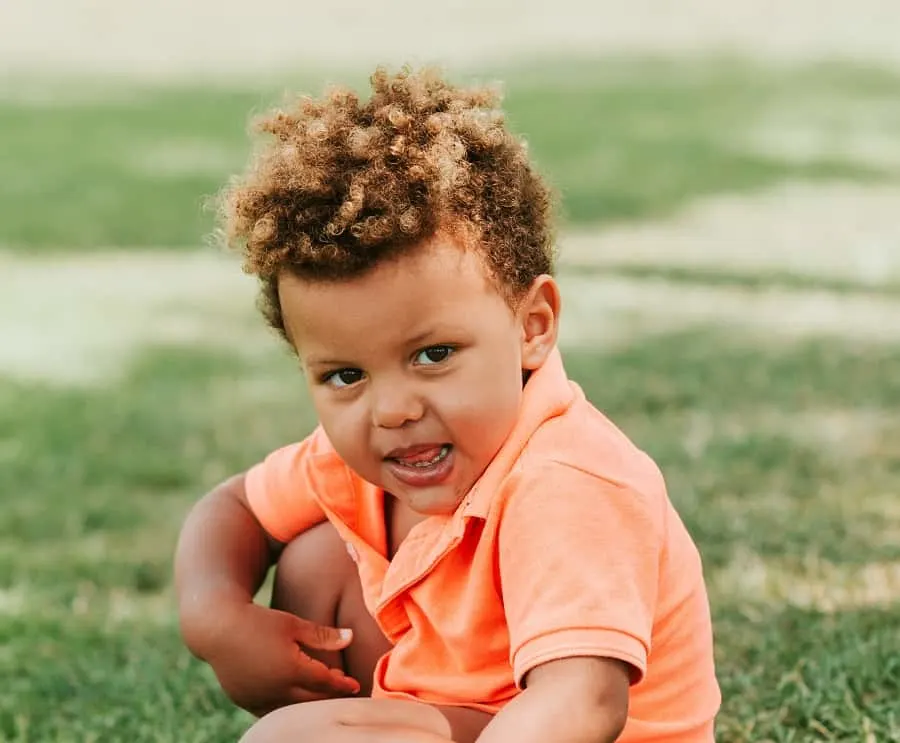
(222, 558)
(574, 700)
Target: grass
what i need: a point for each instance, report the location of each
(620, 140)
(782, 456)
(88, 631)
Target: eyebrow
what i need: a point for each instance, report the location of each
(420, 338)
(313, 361)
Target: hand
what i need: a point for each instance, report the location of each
(258, 659)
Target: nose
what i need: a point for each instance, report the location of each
(395, 405)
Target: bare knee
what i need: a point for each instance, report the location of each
(317, 580)
(296, 722)
(311, 575)
(318, 721)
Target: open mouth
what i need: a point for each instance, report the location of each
(422, 457)
(428, 465)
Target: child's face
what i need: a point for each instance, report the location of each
(415, 368)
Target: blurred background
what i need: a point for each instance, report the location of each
(730, 261)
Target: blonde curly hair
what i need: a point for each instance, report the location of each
(343, 185)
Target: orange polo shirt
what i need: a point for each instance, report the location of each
(566, 546)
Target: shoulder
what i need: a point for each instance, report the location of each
(580, 464)
(311, 461)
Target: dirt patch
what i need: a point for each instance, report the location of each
(864, 133)
(833, 231)
(817, 584)
(604, 312)
(79, 320)
(176, 159)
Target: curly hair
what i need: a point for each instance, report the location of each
(343, 185)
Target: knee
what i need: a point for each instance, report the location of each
(315, 554)
(298, 722)
(312, 572)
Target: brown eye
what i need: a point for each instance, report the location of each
(343, 377)
(433, 355)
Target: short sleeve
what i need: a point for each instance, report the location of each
(281, 489)
(579, 567)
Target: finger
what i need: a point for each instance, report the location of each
(316, 676)
(344, 684)
(320, 637)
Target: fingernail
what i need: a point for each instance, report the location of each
(346, 634)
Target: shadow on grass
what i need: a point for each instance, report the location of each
(620, 139)
(96, 482)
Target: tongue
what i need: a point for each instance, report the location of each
(426, 455)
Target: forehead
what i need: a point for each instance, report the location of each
(439, 284)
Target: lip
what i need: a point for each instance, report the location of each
(411, 451)
(421, 477)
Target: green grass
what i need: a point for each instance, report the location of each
(620, 140)
(102, 478)
(782, 457)
(82, 682)
(835, 677)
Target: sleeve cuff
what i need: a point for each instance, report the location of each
(572, 643)
(255, 487)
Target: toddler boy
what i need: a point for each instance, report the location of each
(502, 562)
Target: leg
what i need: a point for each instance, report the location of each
(316, 580)
(352, 721)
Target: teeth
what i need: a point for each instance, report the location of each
(445, 450)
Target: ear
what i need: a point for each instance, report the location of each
(538, 315)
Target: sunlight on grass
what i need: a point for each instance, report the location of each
(638, 139)
(87, 546)
(771, 402)
(811, 583)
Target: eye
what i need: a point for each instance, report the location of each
(342, 378)
(433, 355)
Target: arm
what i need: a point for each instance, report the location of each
(256, 653)
(574, 700)
(579, 570)
(224, 549)
(222, 558)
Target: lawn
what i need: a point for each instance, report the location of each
(782, 454)
(619, 140)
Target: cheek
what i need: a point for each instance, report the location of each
(483, 407)
(344, 424)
